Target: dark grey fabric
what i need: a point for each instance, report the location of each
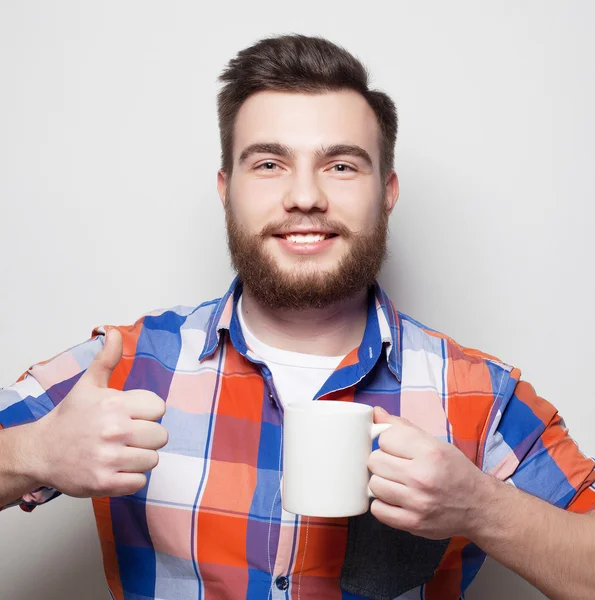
(382, 563)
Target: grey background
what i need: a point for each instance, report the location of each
(109, 152)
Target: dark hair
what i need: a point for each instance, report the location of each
(298, 63)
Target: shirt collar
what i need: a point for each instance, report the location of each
(224, 318)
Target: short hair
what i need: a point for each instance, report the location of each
(302, 64)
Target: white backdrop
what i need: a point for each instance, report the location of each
(108, 157)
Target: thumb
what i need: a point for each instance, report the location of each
(105, 361)
(381, 416)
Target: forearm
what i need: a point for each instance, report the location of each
(551, 548)
(16, 454)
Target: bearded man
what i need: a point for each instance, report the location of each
(474, 463)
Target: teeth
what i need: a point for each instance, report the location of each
(305, 238)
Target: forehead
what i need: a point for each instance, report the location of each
(305, 122)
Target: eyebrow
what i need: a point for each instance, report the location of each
(323, 152)
(341, 149)
(266, 148)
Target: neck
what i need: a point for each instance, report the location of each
(331, 331)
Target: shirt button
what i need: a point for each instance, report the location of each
(282, 582)
(272, 398)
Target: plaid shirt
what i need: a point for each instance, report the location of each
(209, 523)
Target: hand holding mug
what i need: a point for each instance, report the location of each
(423, 485)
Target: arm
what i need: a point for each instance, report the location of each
(430, 488)
(552, 549)
(16, 450)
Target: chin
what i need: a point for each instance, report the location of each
(306, 267)
(315, 262)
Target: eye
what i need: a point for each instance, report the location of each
(342, 168)
(267, 166)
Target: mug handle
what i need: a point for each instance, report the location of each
(375, 431)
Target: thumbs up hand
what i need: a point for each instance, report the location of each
(99, 441)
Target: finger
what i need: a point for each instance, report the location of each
(390, 467)
(405, 440)
(105, 361)
(147, 435)
(138, 460)
(142, 404)
(391, 492)
(395, 516)
(127, 483)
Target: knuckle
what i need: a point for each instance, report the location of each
(418, 477)
(134, 486)
(140, 483)
(154, 459)
(425, 505)
(165, 436)
(105, 457)
(112, 430)
(374, 481)
(383, 441)
(110, 403)
(102, 483)
(154, 402)
(425, 480)
(415, 521)
(377, 510)
(436, 453)
(159, 406)
(373, 460)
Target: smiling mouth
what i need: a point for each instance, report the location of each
(305, 238)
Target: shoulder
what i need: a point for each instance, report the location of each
(164, 334)
(159, 336)
(167, 320)
(465, 366)
(157, 333)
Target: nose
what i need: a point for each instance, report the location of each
(305, 194)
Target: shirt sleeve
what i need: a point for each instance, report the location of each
(38, 391)
(528, 445)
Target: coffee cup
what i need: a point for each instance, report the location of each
(326, 446)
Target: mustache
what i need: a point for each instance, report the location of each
(292, 223)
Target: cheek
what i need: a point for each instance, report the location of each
(253, 205)
(356, 202)
(261, 191)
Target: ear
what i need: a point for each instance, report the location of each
(391, 191)
(222, 185)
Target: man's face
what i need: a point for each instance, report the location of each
(306, 209)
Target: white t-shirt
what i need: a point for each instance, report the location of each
(297, 376)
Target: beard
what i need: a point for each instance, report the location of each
(306, 286)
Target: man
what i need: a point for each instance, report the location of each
(307, 183)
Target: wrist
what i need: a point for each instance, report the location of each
(487, 504)
(24, 464)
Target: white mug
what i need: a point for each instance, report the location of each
(326, 446)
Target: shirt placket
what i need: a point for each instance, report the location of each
(282, 556)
